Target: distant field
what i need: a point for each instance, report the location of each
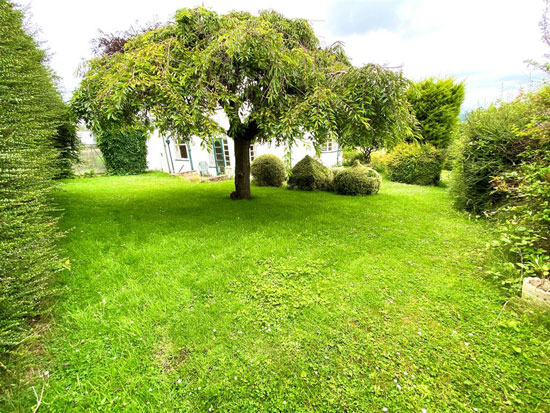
(178, 299)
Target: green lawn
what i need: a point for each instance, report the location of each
(179, 299)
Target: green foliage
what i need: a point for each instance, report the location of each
(436, 106)
(357, 180)
(524, 216)
(352, 155)
(272, 68)
(489, 145)
(268, 170)
(67, 144)
(309, 174)
(413, 163)
(378, 162)
(124, 149)
(30, 109)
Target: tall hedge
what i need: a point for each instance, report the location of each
(30, 109)
(436, 105)
(490, 143)
(124, 149)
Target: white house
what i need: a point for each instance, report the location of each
(166, 154)
(169, 155)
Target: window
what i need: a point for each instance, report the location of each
(328, 146)
(182, 151)
(226, 152)
(252, 153)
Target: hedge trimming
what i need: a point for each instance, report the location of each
(309, 174)
(30, 110)
(124, 149)
(412, 163)
(268, 170)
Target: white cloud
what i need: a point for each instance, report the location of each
(484, 42)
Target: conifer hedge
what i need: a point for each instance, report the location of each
(30, 113)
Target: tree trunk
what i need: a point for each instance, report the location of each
(367, 153)
(242, 169)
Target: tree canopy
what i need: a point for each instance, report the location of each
(268, 74)
(436, 105)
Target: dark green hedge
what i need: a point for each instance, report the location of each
(67, 144)
(30, 109)
(124, 149)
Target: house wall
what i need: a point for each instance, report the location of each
(163, 152)
(165, 156)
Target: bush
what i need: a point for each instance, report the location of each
(268, 170)
(378, 162)
(67, 144)
(413, 163)
(124, 149)
(436, 106)
(309, 174)
(524, 216)
(357, 180)
(351, 155)
(30, 109)
(489, 145)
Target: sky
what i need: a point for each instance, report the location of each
(483, 43)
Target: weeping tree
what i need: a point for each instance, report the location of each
(268, 74)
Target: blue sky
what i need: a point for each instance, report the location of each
(482, 42)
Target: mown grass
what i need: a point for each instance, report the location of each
(179, 299)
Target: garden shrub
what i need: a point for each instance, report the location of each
(357, 180)
(30, 110)
(489, 144)
(436, 105)
(351, 155)
(268, 170)
(524, 216)
(67, 144)
(378, 161)
(413, 163)
(309, 174)
(124, 149)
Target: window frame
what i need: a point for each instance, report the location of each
(180, 157)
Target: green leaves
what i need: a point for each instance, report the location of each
(265, 70)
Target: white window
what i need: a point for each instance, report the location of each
(183, 152)
(328, 146)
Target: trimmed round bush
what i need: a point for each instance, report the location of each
(309, 174)
(357, 180)
(268, 170)
(416, 164)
